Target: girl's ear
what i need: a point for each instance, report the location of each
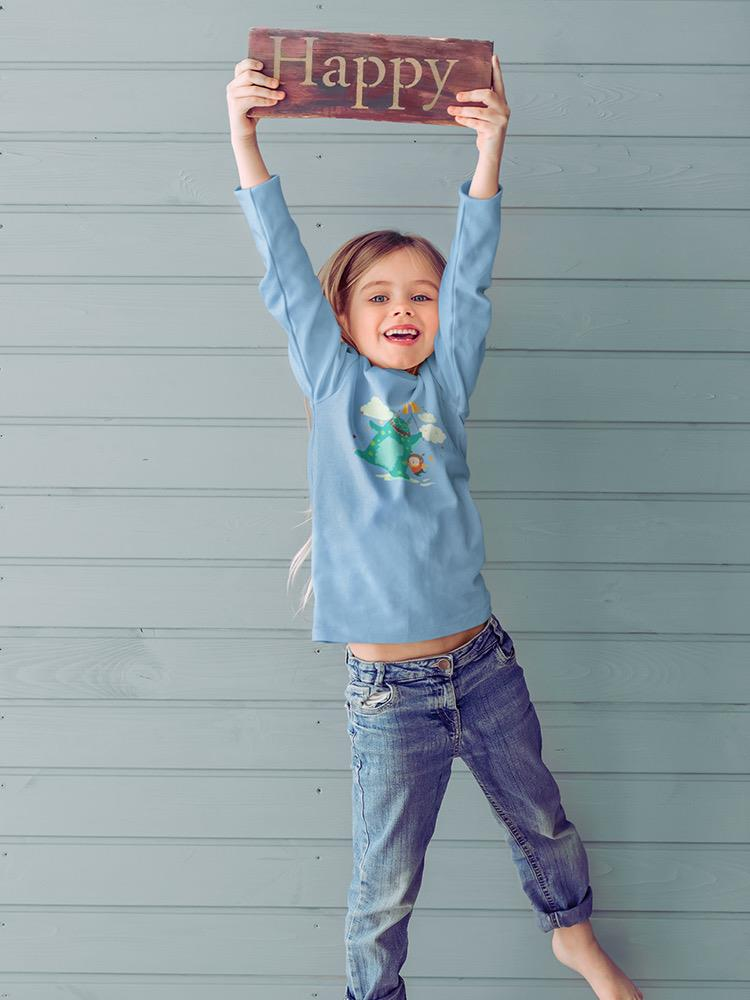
(342, 321)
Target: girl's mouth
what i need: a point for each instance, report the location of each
(402, 336)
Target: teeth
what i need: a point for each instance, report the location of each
(401, 329)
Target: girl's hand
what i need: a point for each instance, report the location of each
(491, 122)
(249, 89)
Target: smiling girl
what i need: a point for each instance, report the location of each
(386, 344)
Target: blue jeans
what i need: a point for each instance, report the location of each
(407, 720)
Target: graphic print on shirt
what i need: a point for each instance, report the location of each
(393, 445)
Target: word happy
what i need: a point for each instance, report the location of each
(339, 74)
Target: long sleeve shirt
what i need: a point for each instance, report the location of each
(397, 541)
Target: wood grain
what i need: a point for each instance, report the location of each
(405, 78)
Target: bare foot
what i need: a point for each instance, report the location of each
(576, 947)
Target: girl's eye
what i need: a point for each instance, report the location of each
(421, 295)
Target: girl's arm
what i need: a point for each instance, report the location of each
(292, 292)
(290, 287)
(464, 309)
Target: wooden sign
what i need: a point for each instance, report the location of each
(400, 78)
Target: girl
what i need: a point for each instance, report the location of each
(386, 344)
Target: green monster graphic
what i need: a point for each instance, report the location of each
(391, 447)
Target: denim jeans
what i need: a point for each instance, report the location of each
(407, 720)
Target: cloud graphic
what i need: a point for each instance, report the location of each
(376, 409)
(431, 432)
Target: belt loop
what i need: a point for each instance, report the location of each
(380, 674)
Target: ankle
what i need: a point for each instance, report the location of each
(582, 929)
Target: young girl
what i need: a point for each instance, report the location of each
(387, 345)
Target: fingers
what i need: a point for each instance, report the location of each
(470, 114)
(252, 90)
(497, 76)
(490, 95)
(252, 81)
(248, 63)
(261, 99)
(475, 95)
(256, 77)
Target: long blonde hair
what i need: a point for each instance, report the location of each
(337, 277)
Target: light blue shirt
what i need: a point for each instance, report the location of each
(397, 541)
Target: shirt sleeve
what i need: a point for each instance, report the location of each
(465, 312)
(292, 292)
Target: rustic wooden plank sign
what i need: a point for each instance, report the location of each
(402, 78)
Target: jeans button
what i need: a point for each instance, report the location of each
(444, 663)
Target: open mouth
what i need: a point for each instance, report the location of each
(402, 336)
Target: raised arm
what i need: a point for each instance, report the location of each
(290, 288)
(465, 312)
(292, 292)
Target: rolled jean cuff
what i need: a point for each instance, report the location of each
(398, 994)
(566, 918)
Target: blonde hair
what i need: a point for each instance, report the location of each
(337, 277)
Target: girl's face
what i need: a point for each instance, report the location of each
(400, 290)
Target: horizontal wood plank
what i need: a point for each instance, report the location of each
(531, 31)
(546, 100)
(564, 172)
(627, 738)
(621, 244)
(177, 454)
(459, 875)
(176, 803)
(529, 315)
(35, 986)
(511, 386)
(535, 528)
(159, 666)
(148, 942)
(574, 598)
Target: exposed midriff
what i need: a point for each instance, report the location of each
(391, 651)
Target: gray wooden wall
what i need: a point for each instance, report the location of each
(174, 761)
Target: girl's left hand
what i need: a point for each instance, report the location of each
(490, 122)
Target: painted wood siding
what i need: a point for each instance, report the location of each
(174, 765)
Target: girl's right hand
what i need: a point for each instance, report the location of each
(249, 89)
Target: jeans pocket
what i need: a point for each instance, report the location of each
(505, 651)
(368, 699)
